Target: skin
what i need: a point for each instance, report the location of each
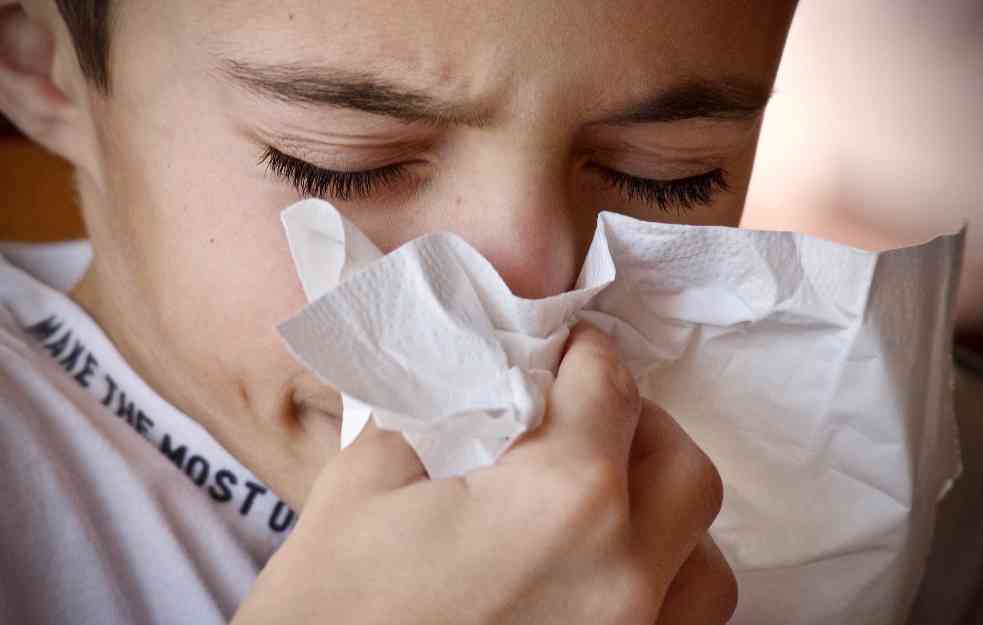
(551, 534)
(191, 269)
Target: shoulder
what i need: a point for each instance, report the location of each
(30, 383)
(95, 518)
(43, 514)
(92, 525)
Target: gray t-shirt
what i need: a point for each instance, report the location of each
(116, 508)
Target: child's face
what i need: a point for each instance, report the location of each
(542, 108)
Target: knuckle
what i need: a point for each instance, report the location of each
(711, 485)
(727, 594)
(619, 389)
(591, 494)
(454, 488)
(706, 484)
(721, 592)
(601, 487)
(634, 595)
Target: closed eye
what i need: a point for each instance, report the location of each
(677, 196)
(313, 181)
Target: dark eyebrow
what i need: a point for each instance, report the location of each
(725, 99)
(351, 90)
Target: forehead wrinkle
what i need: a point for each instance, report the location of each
(452, 75)
(448, 86)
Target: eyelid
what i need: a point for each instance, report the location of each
(678, 195)
(690, 139)
(275, 155)
(373, 151)
(666, 180)
(656, 168)
(313, 181)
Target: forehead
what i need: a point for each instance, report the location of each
(483, 47)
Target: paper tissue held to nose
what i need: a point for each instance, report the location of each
(816, 376)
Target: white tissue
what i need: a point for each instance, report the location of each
(816, 376)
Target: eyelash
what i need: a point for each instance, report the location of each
(679, 196)
(312, 181)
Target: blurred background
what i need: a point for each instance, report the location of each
(874, 135)
(37, 201)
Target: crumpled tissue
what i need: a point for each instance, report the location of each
(816, 376)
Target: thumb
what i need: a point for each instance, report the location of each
(379, 461)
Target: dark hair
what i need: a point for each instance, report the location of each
(88, 23)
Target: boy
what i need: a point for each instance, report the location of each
(191, 124)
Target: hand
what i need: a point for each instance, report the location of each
(551, 534)
(704, 591)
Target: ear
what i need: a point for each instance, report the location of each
(29, 94)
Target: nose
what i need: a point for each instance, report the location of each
(529, 237)
(524, 219)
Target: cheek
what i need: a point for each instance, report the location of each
(206, 251)
(239, 274)
(201, 218)
(227, 273)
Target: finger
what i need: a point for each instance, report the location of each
(378, 461)
(593, 406)
(704, 591)
(675, 491)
